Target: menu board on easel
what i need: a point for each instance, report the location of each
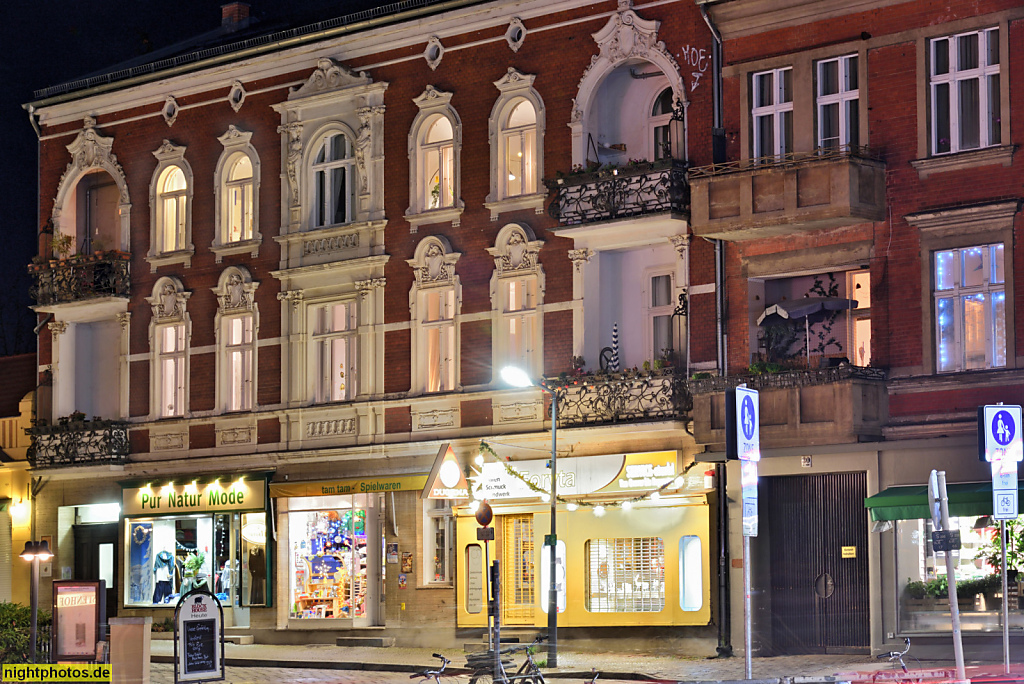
(78, 611)
(198, 638)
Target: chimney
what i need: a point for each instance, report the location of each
(234, 16)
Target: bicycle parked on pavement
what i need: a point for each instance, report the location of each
(435, 674)
(899, 671)
(528, 672)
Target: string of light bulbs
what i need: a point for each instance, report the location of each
(572, 504)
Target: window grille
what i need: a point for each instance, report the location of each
(517, 599)
(626, 575)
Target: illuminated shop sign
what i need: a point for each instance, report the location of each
(190, 497)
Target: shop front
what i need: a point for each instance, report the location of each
(633, 547)
(920, 581)
(333, 571)
(207, 533)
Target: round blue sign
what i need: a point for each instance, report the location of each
(1003, 428)
(747, 417)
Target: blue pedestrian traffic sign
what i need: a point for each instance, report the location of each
(999, 433)
(743, 429)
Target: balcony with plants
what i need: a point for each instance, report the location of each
(652, 392)
(69, 278)
(786, 194)
(74, 441)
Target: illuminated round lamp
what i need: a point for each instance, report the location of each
(571, 506)
(627, 505)
(599, 510)
(516, 377)
(484, 514)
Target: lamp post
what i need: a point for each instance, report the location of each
(35, 551)
(517, 377)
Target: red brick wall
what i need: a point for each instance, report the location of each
(477, 413)
(476, 353)
(397, 419)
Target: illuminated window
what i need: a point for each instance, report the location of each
(661, 114)
(237, 189)
(438, 542)
(171, 373)
(625, 575)
(239, 198)
(438, 154)
(658, 306)
(519, 142)
(238, 361)
(439, 330)
(859, 288)
(172, 201)
(335, 344)
(970, 308)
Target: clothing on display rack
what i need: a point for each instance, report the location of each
(258, 573)
(163, 568)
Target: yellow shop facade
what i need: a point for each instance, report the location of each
(642, 563)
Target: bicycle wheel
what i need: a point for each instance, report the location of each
(483, 678)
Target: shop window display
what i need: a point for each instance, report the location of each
(625, 575)
(923, 584)
(169, 556)
(329, 562)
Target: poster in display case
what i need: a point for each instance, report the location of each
(79, 608)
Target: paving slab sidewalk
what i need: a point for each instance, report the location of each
(805, 669)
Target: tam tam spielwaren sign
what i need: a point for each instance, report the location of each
(362, 485)
(446, 479)
(163, 499)
(611, 474)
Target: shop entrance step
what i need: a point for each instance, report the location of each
(372, 642)
(238, 638)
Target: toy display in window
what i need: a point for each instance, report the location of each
(330, 566)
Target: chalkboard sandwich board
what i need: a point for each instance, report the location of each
(198, 638)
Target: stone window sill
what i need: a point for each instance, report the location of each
(183, 256)
(989, 156)
(251, 246)
(535, 202)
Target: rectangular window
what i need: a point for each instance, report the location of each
(691, 573)
(859, 287)
(625, 575)
(519, 578)
(439, 331)
(659, 316)
(171, 380)
(335, 350)
(239, 356)
(772, 112)
(838, 101)
(438, 542)
(520, 320)
(970, 308)
(174, 222)
(439, 162)
(964, 88)
(241, 212)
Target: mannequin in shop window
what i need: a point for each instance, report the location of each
(258, 573)
(163, 569)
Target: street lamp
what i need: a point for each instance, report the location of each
(517, 377)
(35, 551)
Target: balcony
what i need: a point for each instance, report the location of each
(759, 198)
(81, 278)
(73, 443)
(630, 191)
(628, 396)
(839, 405)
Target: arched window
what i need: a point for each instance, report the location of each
(438, 156)
(169, 333)
(519, 137)
(237, 186)
(516, 133)
(333, 181)
(661, 114)
(172, 209)
(435, 142)
(239, 198)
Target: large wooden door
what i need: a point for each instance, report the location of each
(518, 579)
(817, 545)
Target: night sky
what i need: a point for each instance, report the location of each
(47, 42)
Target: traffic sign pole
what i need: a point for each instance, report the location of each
(743, 441)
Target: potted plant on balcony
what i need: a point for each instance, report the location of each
(62, 244)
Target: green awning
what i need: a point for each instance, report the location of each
(911, 502)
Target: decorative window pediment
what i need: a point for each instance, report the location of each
(236, 290)
(515, 250)
(434, 263)
(329, 75)
(168, 300)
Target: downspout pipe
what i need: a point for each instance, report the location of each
(718, 155)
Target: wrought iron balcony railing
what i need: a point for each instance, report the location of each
(784, 161)
(621, 397)
(78, 443)
(81, 277)
(646, 188)
(802, 377)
